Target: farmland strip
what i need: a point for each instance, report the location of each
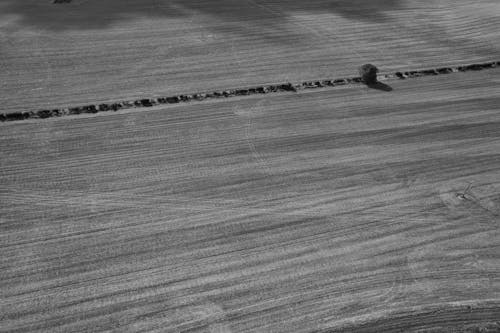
(274, 88)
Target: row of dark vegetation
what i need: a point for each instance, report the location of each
(447, 70)
(285, 87)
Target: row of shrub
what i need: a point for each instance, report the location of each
(94, 108)
(445, 70)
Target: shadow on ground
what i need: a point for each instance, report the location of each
(95, 14)
(380, 86)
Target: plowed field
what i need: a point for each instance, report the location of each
(335, 209)
(330, 209)
(99, 51)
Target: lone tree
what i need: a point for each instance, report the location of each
(368, 73)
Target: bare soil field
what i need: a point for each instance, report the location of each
(88, 51)
(330, 210)
(343, 209)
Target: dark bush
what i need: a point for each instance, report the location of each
(43, 114)
(103, 107)
(53, 113)
(242, 92)
(75, 110)
(90, 109)
(430, 72)
(115, 106)
(444, 70)
(14, 116)
(288, 87)
(368, 73)
(173, 99)
(146, 102)
(474, 67)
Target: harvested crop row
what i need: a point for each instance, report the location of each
(284, 87)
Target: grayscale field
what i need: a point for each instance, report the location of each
(101, 51)
(343, 209)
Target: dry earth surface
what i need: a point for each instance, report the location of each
(341, 209)
(93, 51)
(328, 209)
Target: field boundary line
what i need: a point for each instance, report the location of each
(228, 93)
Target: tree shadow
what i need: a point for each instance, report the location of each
(380, 86)
(95, 14)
